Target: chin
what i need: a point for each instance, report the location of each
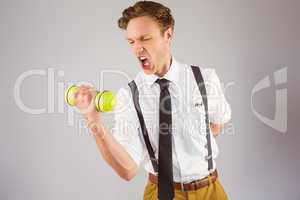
(147, 71)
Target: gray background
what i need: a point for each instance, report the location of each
(42, 157)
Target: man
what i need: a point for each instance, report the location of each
(165, 116)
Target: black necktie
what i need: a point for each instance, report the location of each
(165, 164)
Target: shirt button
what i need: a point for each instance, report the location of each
(205, 146)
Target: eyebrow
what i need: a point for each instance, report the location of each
(142, 36)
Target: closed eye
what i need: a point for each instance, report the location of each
(146, 39)
(142, 39)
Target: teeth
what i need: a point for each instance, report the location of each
(142, 58)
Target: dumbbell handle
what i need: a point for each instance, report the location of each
(104, 101)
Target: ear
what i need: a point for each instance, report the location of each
(169, 34)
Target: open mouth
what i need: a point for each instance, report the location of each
(145, 63)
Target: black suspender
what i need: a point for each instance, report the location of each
(201, 86)
(135, 96)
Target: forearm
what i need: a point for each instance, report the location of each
(114, 153)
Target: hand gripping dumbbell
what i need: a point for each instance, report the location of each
(104, 101)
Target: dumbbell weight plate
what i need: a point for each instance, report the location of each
(105, 101)
(70, 95)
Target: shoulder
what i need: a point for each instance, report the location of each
(208, 73)
(124, 93)
(139, 78)
(125, 89)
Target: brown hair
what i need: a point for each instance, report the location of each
(158, 12)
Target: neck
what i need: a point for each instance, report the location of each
(165, 66)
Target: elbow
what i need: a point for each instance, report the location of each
(128, 175)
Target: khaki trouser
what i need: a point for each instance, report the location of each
(214, 191)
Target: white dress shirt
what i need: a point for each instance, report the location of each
(188, 119)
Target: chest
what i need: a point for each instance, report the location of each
(188, 113)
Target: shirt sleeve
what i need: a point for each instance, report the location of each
(218, 108)
(126, 126)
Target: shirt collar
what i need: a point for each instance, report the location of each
(171, 75)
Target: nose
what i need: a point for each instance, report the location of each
(138, 48)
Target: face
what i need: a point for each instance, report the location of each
(149, 45)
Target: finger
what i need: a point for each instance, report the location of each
(83, 99)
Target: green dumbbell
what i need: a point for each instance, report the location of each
(104, 101)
